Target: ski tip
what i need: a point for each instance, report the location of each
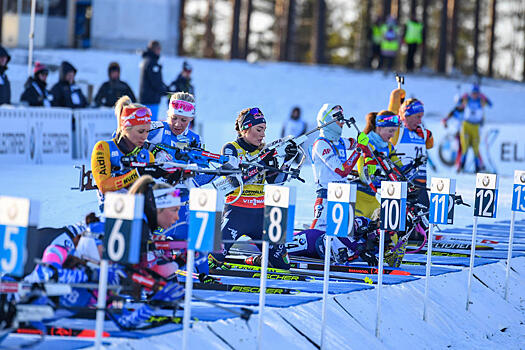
(400, 273)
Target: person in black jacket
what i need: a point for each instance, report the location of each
(113, 89)
(183, 81)
(151, 85)
(5, 86)
(66, 93)
(35, 93)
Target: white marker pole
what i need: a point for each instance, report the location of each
(472, 254)
(509, 255)
(427, 272)
(327, 253)
(101, 303)
(262, 292)
(379, 286)
(187, 298)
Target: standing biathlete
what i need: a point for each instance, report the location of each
(473, 105)
(380, 127)
(134, 122)
(244, 210)
(412, 140)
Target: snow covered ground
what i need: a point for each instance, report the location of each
(223, 88)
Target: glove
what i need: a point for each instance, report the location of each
(269, 159)
(371, 165)
(363, 139)
(204, 278)
(170, 292)
(369, 257)
(232, 163)
(115, 273)
(291, 151)
(154, 171)
(444, 121)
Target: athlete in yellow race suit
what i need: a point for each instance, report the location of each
(473, 105)
(134, 123)
(380, 128)
(244, 211)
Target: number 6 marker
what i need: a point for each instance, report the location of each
(121, 243)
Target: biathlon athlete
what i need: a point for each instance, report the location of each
(244, 211)
(413, 140)
(380, 127)
(473, 105)
(331, 163)
(134, 122)
(362, 243)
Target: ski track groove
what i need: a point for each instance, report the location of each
(221, 338)
(349, 314)
(299, 331)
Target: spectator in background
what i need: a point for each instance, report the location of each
(36, 93)
(377, 37)
(65, 92)
(294, 126)
(183, 81)
(5, 86)
(113, 89)
(413, 37)
(151, 85)
(389, 43)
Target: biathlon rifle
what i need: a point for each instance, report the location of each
(191, 153)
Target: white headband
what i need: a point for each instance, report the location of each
(167, 197)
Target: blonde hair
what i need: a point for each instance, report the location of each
(405, 104)
(124, 101)
(182, 96)
(371, 120)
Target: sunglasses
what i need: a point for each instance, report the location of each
(389, 118)
(182, 105)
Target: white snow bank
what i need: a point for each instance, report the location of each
(491, 322)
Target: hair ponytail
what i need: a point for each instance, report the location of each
(370, 122)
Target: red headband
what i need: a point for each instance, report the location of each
(135, 116)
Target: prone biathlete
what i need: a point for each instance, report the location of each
(361, 243)
(244, 211)
(134, 122)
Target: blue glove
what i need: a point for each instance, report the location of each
(170, 292)
(115, 273)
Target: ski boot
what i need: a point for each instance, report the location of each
(341, 256)
(394, 257)
(215, 264)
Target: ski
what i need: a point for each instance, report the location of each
(256, 274)
(453, 245)
(301, 272)
(242, 288)
(314, 264)
(60, 332)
